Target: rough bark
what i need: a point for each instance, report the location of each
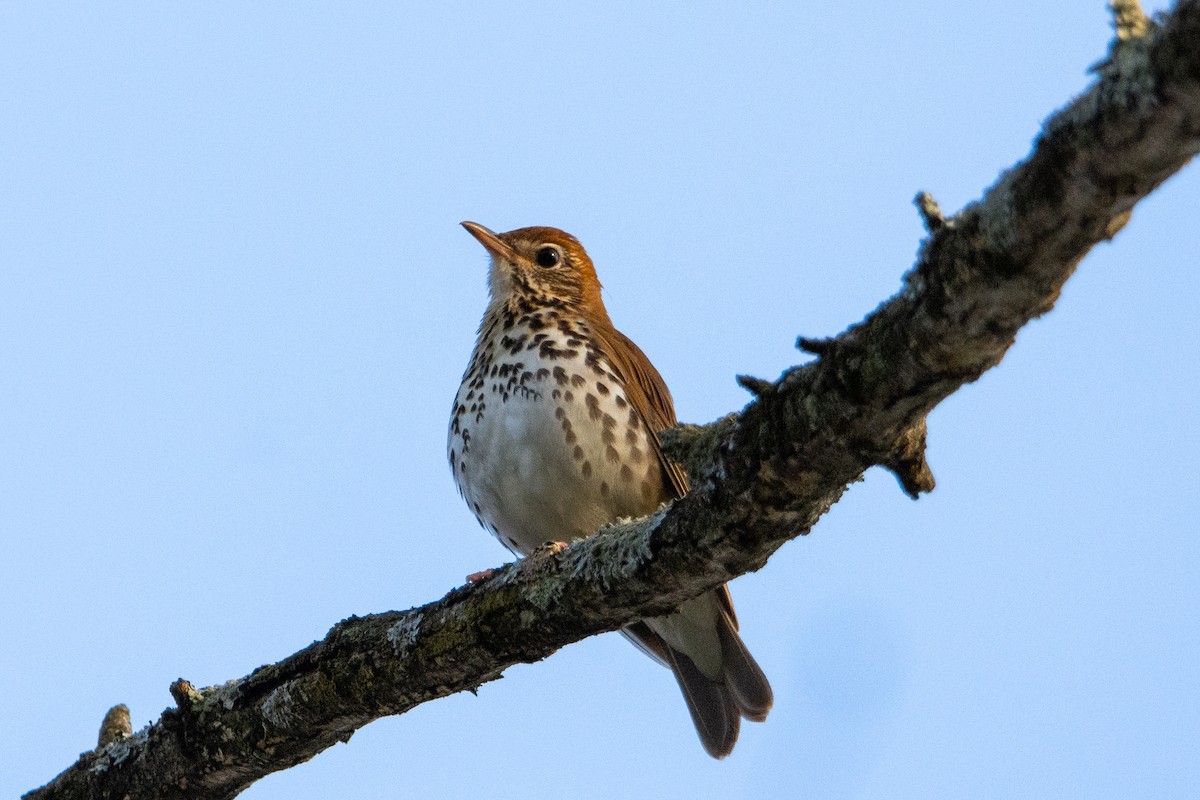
(760, 477)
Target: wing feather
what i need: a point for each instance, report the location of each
(647, 392)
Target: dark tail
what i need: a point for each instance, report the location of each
(717, 705)
(749, 686)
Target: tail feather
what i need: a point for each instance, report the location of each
(746, 681)
(717, 702)
(712, 705)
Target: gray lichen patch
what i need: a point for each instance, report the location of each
(226, 695)
(117, 752)
(403, 634)
(617, 551)
(695, 447)
(278, 708)
(541, 595)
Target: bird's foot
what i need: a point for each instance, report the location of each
(481, 576)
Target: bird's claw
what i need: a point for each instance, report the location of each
(551, 548)
(481, 576)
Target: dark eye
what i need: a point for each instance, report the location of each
(548, 256)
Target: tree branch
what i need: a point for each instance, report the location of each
(760, 477)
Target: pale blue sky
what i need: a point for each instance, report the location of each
(235, 304)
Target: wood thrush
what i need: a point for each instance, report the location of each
(554, 433)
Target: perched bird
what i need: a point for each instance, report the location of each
(554, 433)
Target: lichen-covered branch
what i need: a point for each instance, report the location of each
(760, 477)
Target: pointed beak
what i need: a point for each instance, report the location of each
(494, 244)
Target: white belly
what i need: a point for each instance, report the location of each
(551, 458)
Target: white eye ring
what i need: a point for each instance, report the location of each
(548, 255)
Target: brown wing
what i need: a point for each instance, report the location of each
(653, 402)
(656, 408)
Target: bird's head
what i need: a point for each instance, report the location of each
(541, 265)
